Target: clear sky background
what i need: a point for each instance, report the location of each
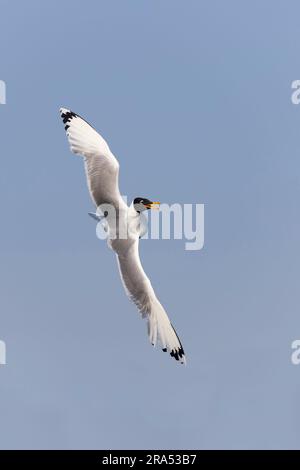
(194, 100)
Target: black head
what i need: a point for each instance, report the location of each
(141, 204)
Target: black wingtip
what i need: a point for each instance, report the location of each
(178, 353)
(67, 116)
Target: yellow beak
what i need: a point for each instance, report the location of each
(153, 205)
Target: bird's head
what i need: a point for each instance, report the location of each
(142, 204)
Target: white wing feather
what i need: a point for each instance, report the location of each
(139, 289)
(101, 167)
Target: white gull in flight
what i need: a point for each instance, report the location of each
(102, 172)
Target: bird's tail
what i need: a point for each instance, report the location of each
(161, 330)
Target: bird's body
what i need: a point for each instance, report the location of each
(123, 226)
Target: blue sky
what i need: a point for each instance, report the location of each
(194, 100)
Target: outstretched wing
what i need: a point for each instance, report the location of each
(139, 289)
(101, 167)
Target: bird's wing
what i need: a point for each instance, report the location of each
(101, 167)
(139, 289)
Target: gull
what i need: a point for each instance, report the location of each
(123, 227)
